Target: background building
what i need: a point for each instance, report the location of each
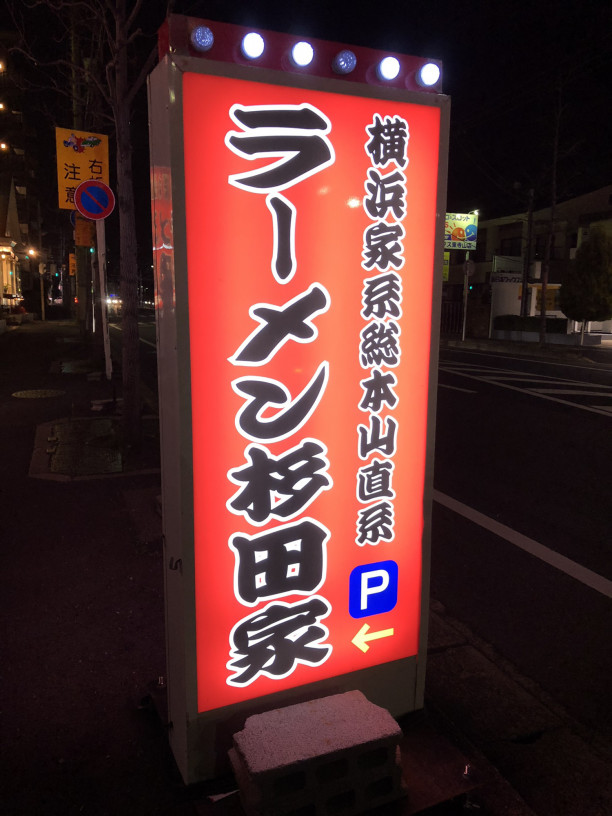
(512, 246)
(22, 249)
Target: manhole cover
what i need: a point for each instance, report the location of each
(38, 393)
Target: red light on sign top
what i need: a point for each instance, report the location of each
(226, 42)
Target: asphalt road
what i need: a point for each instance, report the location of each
(522, 543)
(521, 551)
(521, 548)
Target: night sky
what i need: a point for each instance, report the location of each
(507, 67)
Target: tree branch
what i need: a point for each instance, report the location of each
(142, 76)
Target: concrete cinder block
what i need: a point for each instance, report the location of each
(335, 756)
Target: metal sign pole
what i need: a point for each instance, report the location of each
(95, 200)
(42, 291)
(101, 240)
(465, 293)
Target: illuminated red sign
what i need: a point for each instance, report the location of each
(310, 229)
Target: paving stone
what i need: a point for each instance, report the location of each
(335, 755)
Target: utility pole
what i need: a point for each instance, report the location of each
(527, 256)
(468, 269)
(548, 247)
(467, 266)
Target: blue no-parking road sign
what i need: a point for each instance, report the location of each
(94, 199)
(373, 589)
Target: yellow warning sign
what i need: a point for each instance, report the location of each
(80, 157)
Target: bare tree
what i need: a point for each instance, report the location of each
(101, 61)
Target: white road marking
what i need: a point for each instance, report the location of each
(146, 342)
(554, 559)
(531, 360)
(497, 381)
(456, 388)
(532, 379)
(571, 391)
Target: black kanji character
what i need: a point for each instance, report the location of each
(276, 639)
(295, 473)
(283, 561)
(382, 246)
(284, 262)
(382, 296)
(95, 168)
(380, 344)
(371, 439)
(261, 393)
(72, 171)
(389, 140)
(377, 390)
(294, 132)
(375, 523)
(374, 481)
(280, 324)
(385, 193)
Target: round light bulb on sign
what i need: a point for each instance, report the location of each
(429, 75)
(344, 62)
(253, 45)
(202, 38)
(302, 54)
(94, 199)
(388, 68)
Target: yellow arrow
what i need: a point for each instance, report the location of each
(361, 638)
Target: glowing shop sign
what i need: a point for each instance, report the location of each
(310, 222)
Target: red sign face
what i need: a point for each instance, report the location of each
(310, 239)
(94, 199)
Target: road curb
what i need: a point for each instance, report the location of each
(533, 350)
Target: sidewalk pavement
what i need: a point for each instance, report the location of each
(83, 649)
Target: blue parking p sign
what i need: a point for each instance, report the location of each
(373, 589)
